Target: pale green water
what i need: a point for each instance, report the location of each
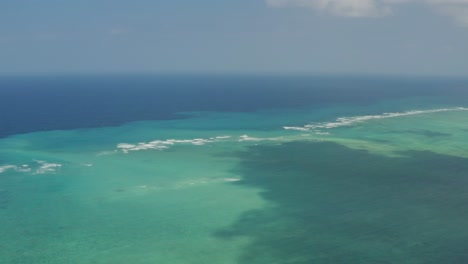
(79, 198)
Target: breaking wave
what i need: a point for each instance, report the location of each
(349, 121)
(165, 144)
(22, 168)
(41, 167)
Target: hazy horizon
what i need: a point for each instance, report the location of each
(288, 37)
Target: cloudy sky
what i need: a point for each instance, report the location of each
(389, 37)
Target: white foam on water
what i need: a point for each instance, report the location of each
(348, 121)
(296, 128)
(160, 144)
(165, 144)
(4, 168)
(42, 168)
(22, 168)
(249, 138)
(141, 146)
(222, 137)
(46, 167)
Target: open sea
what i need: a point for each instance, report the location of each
(233, 170)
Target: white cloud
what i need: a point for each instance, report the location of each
(346, 8)
(458, 9)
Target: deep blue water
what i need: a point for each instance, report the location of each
(29, 104)
(233, 170)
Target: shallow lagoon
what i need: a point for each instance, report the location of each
(236, 187)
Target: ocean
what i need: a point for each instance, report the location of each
(233, 169)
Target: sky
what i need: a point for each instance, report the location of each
(370, 37)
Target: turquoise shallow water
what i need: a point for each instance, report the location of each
(385, 185)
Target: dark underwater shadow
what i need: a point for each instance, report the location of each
(425, 133)
(331, 204)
